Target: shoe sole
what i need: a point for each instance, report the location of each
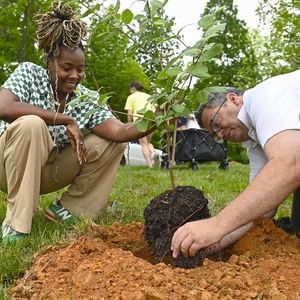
(51, 217)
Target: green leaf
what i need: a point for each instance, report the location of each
(82, 103)
(103, 98)
(215, 29)
(162, 75)
(76, 100)
(158, 21)
(83, 97)
(211, 53)
(202, 96)
(199, 70)
(184, 76)
(214, 89)
(127, 16)
(174, 71)
(142, 125)
(172, 96)
(178, 108)
(186, 112)
(206, 21)
(149, 114)
(90, 113)
(157, 3)
(191, 52)
(91, 10)
(169, 115)
(163, 39)
(183, 113)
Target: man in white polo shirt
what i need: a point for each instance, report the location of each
(266, 119)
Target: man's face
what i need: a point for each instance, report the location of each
(222, 121)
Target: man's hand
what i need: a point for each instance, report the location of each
(194, 236)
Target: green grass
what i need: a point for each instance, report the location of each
(133, 188)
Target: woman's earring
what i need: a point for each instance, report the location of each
(49, 75)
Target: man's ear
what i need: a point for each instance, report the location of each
(234, 98)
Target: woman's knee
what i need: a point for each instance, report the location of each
(29, 123)
(98, 147)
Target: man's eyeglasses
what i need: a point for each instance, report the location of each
(216, 125)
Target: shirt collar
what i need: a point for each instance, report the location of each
(243, 117)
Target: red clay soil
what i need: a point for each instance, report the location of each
(115, 263)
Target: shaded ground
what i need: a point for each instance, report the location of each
(115, 263)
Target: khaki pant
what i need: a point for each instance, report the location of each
(30, 166)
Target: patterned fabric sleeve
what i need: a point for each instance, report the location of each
(99, 116)
(26, 82)
(30, 83)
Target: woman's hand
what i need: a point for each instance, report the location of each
(77, 141)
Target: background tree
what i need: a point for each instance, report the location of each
(112, 65)
(157, 53)
(281, 19)
(17, 33)
(174, 79)
(237, 64)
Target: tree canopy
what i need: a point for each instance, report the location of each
(17, 33)
(237, 64)
(281, 19)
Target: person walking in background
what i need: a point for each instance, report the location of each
(135, 102)
(182, 123)
(191, 122)
(43, 147)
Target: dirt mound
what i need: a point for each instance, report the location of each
(115, 263)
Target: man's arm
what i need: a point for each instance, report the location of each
(276, 181)
(234, 236)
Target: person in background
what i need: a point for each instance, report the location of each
(182, 123)
(266, 119)
(44, 146)
(135, 102)
(191, 122)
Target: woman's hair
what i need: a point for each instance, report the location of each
(59, 26)
(137, 85)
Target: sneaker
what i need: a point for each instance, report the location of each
(58, 213)
(10, 235)
(155, 159)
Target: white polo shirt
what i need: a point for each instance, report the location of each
(269, 108)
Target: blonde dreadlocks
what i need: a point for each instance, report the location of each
(58, 27)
